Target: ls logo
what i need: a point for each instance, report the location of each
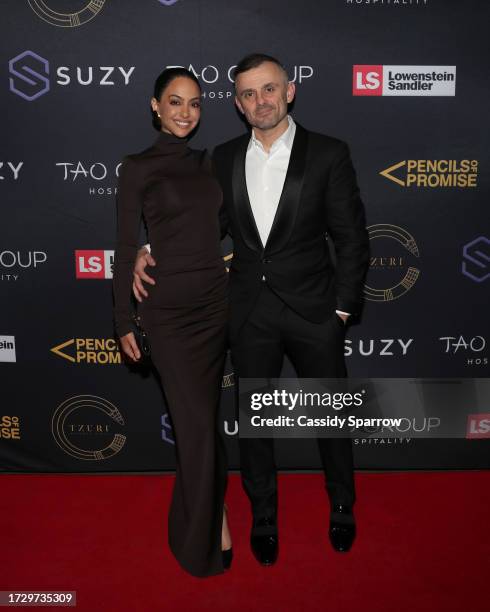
(29, 75)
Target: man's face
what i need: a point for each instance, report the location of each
(263, 95)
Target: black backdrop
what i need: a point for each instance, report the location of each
(76, 81)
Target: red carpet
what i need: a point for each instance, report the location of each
(423, 544)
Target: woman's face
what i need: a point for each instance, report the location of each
(179, 106)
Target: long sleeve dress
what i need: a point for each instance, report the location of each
(185, 316)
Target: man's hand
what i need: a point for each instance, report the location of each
(143, 258)
(129, 346)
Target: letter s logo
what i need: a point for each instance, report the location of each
(29, 75)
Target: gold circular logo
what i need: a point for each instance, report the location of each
(65, 428)
(395, 263)
(66, 20)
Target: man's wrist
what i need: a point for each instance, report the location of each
(341, 312)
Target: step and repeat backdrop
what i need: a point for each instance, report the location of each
(403, 82)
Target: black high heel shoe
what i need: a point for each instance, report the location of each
(227, 554)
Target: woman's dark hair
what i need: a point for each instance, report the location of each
(161, 83)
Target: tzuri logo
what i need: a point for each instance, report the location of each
(99, 351)
(386, 268)
(433, 173)
(94, 264)
(476, 259)
(66, 20)
(30, 75)
(88, 427)
(377, 80)
(7, 349)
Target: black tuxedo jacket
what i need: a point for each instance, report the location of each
(319, 201)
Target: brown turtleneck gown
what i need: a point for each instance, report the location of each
(172, 187)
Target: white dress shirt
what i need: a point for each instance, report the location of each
(265, 174)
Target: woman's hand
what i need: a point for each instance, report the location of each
(143, 259)
(129, 346)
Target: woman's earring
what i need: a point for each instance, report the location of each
(158, 115)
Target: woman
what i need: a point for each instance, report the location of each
(172, 187)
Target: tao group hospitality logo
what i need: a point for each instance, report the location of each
(31, 76)
(101, 178)
(218, 84)
(377, 80)
(12, 262)
(469, 349)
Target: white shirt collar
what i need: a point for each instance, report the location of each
(286, 138)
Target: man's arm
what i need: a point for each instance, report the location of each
(346, 225)
(218, 161)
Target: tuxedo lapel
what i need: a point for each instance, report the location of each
(248, 227)
(287, 208)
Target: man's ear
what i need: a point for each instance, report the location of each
(240, 107)
(291, 92)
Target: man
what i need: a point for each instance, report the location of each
(285, 189)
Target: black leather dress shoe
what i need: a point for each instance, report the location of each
(342, 528)
(264, 540)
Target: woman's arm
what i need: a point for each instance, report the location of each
(129, 211)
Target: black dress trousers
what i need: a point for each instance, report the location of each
(316, 350)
